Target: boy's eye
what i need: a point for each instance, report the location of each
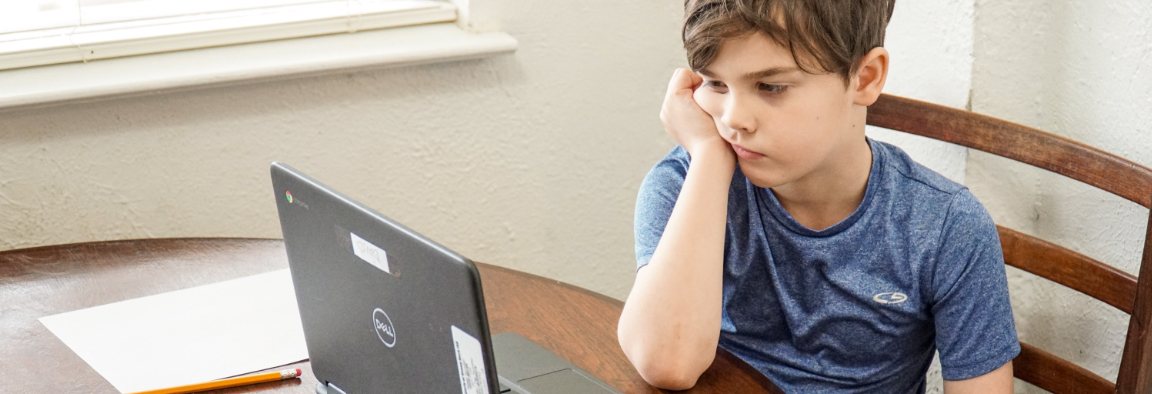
(772, 88)
(715, 85)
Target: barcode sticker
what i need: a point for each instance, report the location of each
(470, 363)
(371, 253)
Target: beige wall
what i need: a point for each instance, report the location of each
(1082, 70)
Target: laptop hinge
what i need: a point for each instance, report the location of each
(330, 388)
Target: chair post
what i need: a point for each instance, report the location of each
(1136, 365)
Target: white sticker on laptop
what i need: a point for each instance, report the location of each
(470, 363)
(371, 253)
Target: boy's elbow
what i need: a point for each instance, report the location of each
(664, 370)
(668, 373)
(672, 363)
(669, 376)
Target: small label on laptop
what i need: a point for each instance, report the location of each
(371, 253)
(470, 363)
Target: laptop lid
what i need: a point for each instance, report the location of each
(383, 308)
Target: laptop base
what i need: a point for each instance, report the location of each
(525, 367)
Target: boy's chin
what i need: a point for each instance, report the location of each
(763, 181)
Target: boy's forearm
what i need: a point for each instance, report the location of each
(671, 321)
(999, 380)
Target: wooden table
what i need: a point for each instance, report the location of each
(575, 323)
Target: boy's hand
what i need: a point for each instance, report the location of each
(684, 120)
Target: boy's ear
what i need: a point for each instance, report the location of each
(868, 80)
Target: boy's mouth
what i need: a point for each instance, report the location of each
(745, 153)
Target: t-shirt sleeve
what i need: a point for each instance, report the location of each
(655, 201)
(975, 332)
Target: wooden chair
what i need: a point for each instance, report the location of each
(1103, 170)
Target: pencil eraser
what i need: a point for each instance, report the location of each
(297, 371)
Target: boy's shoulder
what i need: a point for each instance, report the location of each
(914, 189)
(910, 174)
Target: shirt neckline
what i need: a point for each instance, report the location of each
(783, 217)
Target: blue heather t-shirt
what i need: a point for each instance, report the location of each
(860, 306)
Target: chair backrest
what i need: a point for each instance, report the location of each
(1103, 170)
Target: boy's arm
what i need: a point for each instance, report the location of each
(995, 382)
(670, 325)
(975, 330)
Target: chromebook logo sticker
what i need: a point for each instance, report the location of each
(293, 200)
(384, 328)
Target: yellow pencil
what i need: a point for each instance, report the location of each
(225, 383)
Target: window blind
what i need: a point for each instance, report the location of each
(42, 32)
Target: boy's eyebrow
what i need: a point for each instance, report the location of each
(770, 72)
(765, 73)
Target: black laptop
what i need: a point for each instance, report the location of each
(386, 310)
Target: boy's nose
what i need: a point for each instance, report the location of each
(738, 115)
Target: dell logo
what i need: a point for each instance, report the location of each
(384, 328)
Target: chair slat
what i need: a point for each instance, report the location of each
(1056, 374)
(1068, 268)
(1095, 167)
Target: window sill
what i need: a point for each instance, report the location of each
(72, 82)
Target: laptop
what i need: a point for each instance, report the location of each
(386, 310)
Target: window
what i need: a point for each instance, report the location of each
(42, 32)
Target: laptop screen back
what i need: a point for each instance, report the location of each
(383, 308)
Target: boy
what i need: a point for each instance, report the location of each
(776, 230)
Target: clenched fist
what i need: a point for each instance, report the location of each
(684, 120)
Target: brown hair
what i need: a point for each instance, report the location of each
(835, 34)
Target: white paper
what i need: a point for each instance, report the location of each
(370, 253)
(188, 336)
(470, 363)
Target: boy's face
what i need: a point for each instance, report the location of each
(783, 123)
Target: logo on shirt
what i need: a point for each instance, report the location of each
(890, 298)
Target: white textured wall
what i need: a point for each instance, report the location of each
(931, 48)
(1082, 70)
